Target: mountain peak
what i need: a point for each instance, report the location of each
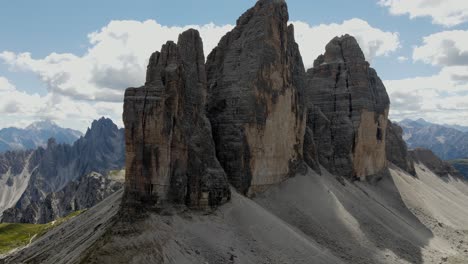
(102, 125)
(103, 121)
(42, 125)
(341, 49)
(36, 135)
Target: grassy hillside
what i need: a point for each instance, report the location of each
(18, 235)
(461, 165)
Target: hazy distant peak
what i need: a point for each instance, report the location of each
(42, 125)
(36, 135)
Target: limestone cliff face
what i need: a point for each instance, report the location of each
(348, 111)
(255, 77)
(397, 151)
(170, 151)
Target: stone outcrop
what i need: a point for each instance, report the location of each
(434, 163)
(348, 110)
(396, 149)
(255, 80)
(170, 153)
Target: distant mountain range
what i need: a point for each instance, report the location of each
(457, 127)
(41, 185)
(446, 141)
(36, 135)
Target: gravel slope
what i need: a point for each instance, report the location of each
(307, 219)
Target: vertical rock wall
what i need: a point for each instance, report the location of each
(348, 111)
(255, 76)
(170, 151)
(397, 151)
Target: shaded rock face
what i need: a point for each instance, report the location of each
(434, 163)
(170, 152)
(255, 80)
(13, 162)
(348, 111)
(396, 149)
(80, 194)
(14, 176)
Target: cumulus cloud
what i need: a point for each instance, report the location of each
(402, 58)
(5, 85)
(447, 48)
(443, 12)
(85, 87)
(373, 41)
(19, 108)
(116, 59)
(441, 98)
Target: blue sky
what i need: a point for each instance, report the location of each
(56, 34)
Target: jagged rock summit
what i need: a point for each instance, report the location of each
(251, 88)
(255, 76)
(347, 111)
(170, 154)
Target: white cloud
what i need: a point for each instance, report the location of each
(85, 87)
(443, 12)
(19, 108)
(447, 48)
(373, 41)
(5, 85)
(116, 59)
(441, 98)
(402, 58)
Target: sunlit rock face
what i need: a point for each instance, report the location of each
(348, 111)
(170, 151)
(255, 79)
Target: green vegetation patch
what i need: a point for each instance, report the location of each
(16, 235)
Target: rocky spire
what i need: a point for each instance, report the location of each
(396, 149)
(170, 152)
(348, 108)
(255, 76)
